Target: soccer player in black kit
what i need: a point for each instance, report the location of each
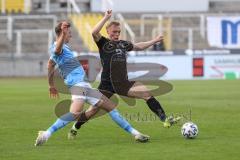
(114, 79)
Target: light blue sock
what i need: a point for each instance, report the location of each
(61, 122)
(122, 122)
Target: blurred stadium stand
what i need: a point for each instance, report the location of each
(188, 28)
(224, 6)
(8, 6)
(84, 23)
(26, 26)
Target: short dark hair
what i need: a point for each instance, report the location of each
(58, 29)
(111, 23)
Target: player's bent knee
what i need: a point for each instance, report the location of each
(99, 103)
(93, 110)
(106, 104)
(147, 96)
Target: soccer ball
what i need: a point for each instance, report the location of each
(189, 130)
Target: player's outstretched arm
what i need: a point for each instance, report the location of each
(96, 30)
(53, 93)
(61, 37)
(143, 45)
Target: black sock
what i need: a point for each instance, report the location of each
(81, 120)
(155, 107)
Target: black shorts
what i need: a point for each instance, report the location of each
(108, 88)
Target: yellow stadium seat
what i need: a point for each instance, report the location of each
(81, 21)
(16, 6)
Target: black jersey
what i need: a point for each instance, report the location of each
(113, 56)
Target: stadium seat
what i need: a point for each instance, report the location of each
(84, 24)
(14, 6)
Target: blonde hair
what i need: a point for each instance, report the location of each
(116, 23)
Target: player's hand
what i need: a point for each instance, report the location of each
(64, 27)
(159, 38)
(53, 93)
(108, 14)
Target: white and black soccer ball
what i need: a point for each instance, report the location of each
(189, 130)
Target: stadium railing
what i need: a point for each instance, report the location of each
(126, 29)
(10, 30)
(84, 24)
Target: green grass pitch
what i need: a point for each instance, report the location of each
(25, 108)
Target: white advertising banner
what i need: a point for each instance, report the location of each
(182, 68)
(223, 32)
(220, 67)
(179, 67)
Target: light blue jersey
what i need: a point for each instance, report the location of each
(69, 67)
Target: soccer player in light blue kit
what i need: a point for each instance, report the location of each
(73, 74)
